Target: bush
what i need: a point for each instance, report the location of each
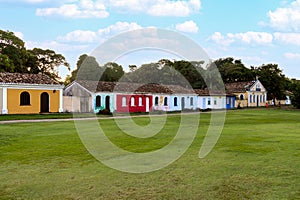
(104, 112)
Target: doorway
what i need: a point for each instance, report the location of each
(44, 102)
(107, 103)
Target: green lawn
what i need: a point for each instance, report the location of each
(256, 157)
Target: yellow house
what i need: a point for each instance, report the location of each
(248, 94)
(29, 94)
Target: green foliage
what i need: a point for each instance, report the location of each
(47, 61)
(295, 88)
(89, 69)
(164, 71)
(233, 70)
(112, 72)
(14, 57)
(272, 77)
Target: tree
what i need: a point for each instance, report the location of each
(295, 88)
(233, 70)
(112, 72)
(47, 61)
(87, 69)
(132, 68)
(273, 79)
(13, 53)
(14, 57)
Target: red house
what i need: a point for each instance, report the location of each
(133, 103)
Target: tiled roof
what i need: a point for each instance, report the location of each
(95, 86)
(18, 78)
(238, 86)
(206, 92)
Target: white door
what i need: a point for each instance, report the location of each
(147, 104)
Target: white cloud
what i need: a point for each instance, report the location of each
(218, 38)
(19, 35)
(130, 5)
(118, 28)
(188, 26)
(98, 8)
(84, 9)
(81, 36)
(253, 38)
(174, 8)
(288, 38)
(56, 46)
(292, 56)
(252, 59)
(286, 18)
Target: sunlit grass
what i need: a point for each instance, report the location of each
(256, 157)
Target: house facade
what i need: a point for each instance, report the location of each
(213, 100)
(133, 103)
(248, 94)
(29, 94)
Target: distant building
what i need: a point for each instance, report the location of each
(93, 96)
(29, 93)
(248, 94)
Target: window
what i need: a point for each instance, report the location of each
(132, 101)
(254, 98)
(140, 101)
(241, 97)
(123, 101)
(156, 101)
(166, 101)
(258, 87)
(25, 99)
(98, 101)
(208, 102)
(215, 101)
(250, 98)
(192, 101)
(260, 98)
(227, 100)
(175, 101)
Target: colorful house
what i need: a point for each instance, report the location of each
(29, 93)
(174, 98)
(94, 96)
(134, 103)
(248, 94)
(211, 100)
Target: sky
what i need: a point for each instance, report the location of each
(257, 31)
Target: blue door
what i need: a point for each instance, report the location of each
(228, 102)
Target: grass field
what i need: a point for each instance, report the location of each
(256, 157)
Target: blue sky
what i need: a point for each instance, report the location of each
(256, 31)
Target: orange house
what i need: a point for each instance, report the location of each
(29, 94)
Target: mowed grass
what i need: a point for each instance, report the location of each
(256, 157)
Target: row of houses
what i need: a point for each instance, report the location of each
(37, 93)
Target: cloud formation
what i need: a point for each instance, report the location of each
(188, 27)
(98, 8)
(82, 9)
(292, 56)
(288, 38)
(286, 18)
(81, 36)
(253, 38)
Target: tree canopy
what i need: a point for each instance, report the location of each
(14, 57)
